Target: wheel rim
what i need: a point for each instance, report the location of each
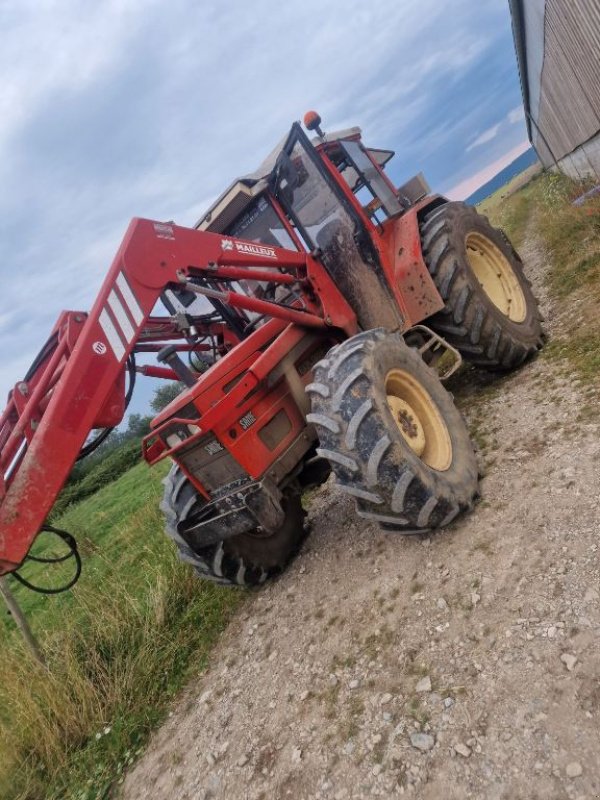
(418, 419)
(497, 276)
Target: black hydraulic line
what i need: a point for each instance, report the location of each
(73, 552)
(44, 354)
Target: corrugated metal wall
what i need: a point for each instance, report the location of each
(563, 100)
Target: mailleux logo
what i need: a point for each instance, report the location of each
(255, 249)
(249, 248)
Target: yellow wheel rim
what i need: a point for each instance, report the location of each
(496, 275)
(418, 419)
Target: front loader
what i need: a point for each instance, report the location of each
(299, 303)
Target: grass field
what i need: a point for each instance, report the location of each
(119, 647)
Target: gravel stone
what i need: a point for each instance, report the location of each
(569, 660)
(574, 769)
(462, 750)
(591, 595)
(422, 741)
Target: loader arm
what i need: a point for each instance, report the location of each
(77, 383)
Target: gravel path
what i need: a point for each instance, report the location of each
(462, 665)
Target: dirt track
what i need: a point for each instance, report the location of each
(462, 665)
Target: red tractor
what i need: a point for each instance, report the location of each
(298, 300)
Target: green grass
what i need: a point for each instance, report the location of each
(570, 235)
(112, 463)
(513, 215)
(509, 207)
(582, 352)
(119, 646)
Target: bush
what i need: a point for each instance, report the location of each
(114, 464)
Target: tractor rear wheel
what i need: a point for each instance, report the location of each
(491, 315)
(247, 559)
(395, 439)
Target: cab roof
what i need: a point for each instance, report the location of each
(240, 192)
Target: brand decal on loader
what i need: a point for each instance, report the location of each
(99, 348)
(247, 420)
(249, 248)
(164, 231)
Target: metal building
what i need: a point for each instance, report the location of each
(558, 52)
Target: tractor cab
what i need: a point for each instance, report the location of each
(332, 170)
(329, 197)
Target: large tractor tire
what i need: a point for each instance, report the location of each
(247, 559)
(392, 433)
(491, 315)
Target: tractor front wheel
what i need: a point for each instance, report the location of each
(491, 315)
(395, 439)
(247, 559)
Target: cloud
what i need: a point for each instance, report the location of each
(516, 115)
(484, 137)
(122, 109)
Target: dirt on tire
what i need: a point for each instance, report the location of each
(461, 665)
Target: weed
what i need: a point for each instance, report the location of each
(347, 662)
(330, 698)
(415, 710)
(349, 726)
(379, 750)
(308, 495)
(483, 547)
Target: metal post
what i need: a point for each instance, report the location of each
(543, 138)
(21, 622)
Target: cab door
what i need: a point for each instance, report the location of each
(328, 224)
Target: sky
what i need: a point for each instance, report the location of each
(143, 108)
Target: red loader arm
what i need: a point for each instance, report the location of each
(77, 383)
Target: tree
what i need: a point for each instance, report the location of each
(137, 426)
(164, 394)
